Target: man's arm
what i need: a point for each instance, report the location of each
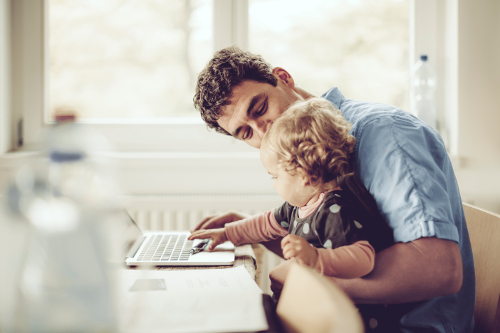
(405, 272)
(409, 272)
(274, 246)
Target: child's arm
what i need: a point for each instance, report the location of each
(253, 229)
(345, 262)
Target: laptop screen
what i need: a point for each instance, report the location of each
(128, 232)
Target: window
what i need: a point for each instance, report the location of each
(127, 59)
(360, 46)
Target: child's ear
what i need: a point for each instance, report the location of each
(305, 179)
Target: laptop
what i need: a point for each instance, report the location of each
(172, 248)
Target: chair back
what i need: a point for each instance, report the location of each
(310, 302)
(484, 232)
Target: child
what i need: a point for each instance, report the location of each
(306, 151)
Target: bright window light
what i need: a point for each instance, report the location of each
(134, 59)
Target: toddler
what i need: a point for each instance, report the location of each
(329, 221)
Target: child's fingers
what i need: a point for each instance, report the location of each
(194, 235)
(287, 254)
(285, 241)
(290, 251)
(287, 247)
(215, 241)
(295, 244)
(289, 239)
(200, 234)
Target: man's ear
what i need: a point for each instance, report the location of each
(282, 75)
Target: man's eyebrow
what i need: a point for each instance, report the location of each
(252, 104)
(254, 101)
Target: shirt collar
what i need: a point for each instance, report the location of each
(335, 96)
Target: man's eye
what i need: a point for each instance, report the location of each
(247, 134)
(262, 109)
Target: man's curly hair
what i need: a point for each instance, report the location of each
(228, 68)
(314, 135)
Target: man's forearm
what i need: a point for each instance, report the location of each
(274, 246)
(409, 272)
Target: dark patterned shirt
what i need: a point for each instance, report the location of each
(341, 219)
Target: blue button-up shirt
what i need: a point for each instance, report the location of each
(404, 164)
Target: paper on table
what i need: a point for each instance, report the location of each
(235, 279)
(205, 300)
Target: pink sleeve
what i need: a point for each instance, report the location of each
(255, 229)
(347, 262)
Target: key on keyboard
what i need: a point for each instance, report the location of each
(166, 248)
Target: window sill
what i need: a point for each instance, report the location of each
(169, 172)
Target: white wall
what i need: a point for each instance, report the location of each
(479, 102)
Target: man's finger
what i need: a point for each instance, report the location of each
(213, 222)
(202, 223)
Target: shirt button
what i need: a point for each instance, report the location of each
(373, 323)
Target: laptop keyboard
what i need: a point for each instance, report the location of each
(166, 248)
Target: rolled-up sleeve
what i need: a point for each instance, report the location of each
(403, 163)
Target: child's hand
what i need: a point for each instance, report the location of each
(218, 236)
(297, 247)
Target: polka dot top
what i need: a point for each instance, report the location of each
(343, 218)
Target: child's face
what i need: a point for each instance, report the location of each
(293, 187)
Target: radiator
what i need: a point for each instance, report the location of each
(184, 211)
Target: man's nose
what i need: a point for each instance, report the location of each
(262, 128)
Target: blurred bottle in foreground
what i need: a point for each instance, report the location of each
(423, 88)
(65, 282)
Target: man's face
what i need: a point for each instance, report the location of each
(254, 106)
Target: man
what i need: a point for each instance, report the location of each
(423, 283)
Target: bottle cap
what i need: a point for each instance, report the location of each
(423, 57)
(64, 114)
(64, 117)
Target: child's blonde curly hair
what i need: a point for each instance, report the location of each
(313, 135)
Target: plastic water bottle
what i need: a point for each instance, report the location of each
(65, 284)
(423, 89)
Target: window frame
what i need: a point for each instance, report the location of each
(146, 151)
(29, 34)
(428, 34)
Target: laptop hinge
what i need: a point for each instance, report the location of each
(133, 250)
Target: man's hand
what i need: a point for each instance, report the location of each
(218, 236)
(219, 220)
(297, 247)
